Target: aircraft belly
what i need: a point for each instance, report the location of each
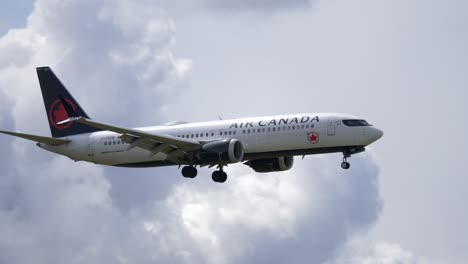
(278, 142)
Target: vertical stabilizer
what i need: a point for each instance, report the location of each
(52, 89)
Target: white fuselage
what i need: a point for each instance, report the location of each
(272, 136)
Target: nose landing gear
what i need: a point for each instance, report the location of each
(347, 154)
(345, 165)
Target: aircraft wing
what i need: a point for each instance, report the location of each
(175, 148)
(40, 139)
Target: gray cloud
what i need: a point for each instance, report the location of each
(387, 253)
(257, 5)
(306, 214)
(116, 57)
(235, 6)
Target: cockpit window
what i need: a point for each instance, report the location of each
(356, 122)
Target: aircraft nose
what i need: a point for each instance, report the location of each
(376, 134)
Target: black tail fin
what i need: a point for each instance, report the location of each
(52, 91)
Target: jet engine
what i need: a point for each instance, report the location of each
(230, 151)
(272, 164)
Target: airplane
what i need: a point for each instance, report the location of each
(266, 144)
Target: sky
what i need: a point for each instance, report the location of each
(399, 64)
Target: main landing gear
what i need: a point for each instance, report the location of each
(189, 172)
(217, 176)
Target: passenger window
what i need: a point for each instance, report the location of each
(225, 133)
(248, 131)
(243, 131)
(206, 134)
(234, 132)
(293, 127)
(307, 126)
(212, 134)
(263, 130)
(229, 132)
(268, 129)
(274, 129)
(191, 136)
(259, 130)
(105, 143)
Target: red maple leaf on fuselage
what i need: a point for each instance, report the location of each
(313, 137)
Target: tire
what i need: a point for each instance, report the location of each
(223, 177)
(216, 176)
(189, 172)
(186, 171)
(193, 172)
(345, 165)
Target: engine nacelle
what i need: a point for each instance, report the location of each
(273, 164)
(230, 151)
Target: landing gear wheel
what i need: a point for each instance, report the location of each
(223, 177)
(345, 165)
(189, 172)
(215, 176)
(219, 176)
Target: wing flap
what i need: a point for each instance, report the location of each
(40, 139)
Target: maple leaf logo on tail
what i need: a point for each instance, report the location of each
(58, 113)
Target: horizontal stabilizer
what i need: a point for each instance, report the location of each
(40, 139)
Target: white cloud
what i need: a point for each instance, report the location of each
(304, 214)
(380, 253)
(257, 5)
(236, 6)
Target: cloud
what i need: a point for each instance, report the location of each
(258, 5)
(380, 253)
(307, 214)
(117, 59)
(236, 6)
